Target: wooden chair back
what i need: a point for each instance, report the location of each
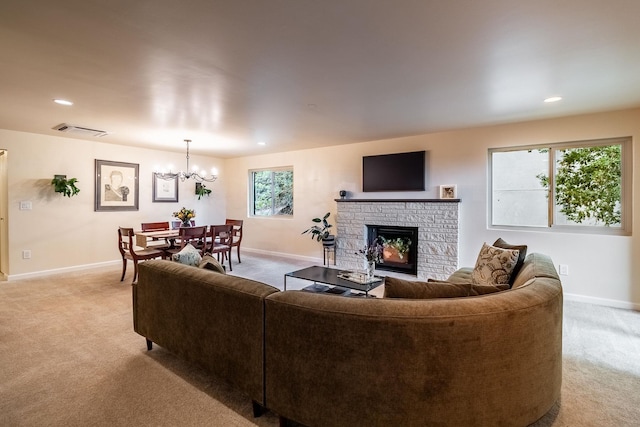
(197, 236)
(236, 231)
(155, 226)
(125, 240)
(236, 234)
(127, 248)
(221, 236)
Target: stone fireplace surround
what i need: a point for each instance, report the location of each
(436, 219)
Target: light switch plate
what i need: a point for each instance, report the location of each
(25, 205)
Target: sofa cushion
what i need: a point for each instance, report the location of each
(494, 266)
(500, 243)
(188, 255)
(210, 263)
(484, 289)
(461, 275)
(399, 288)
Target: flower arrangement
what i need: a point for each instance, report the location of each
(185, 215)
(373, 252)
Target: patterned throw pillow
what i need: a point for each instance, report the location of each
(188, 255)
(494, 266)
(500, 243)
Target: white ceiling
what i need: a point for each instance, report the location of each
(307, 73)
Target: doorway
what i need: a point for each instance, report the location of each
(4, 230)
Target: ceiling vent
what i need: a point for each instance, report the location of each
(80, 130)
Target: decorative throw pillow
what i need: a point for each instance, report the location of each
(210, 263)
(494, 266)
(188, 255)
(399, 288)
(521, 256)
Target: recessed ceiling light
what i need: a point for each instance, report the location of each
(553, 99)
(62, 102)
(262, 143)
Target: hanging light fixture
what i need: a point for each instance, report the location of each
(188, 174)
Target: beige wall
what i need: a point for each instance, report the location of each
(65, 232)
(601, 268)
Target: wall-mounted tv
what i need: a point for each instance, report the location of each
(394, 172)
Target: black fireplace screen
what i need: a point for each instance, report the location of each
(400, 247)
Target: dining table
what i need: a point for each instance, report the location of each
(144, 238)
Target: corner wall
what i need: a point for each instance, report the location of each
(601, 267)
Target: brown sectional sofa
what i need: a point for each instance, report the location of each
(323, 360)
(212, 319)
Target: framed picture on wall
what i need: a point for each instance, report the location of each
(448, 192)
(165, 190)
(117, 186)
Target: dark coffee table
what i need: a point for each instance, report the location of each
(330, 276)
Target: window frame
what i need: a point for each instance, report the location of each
(626, 196)
(251, 202)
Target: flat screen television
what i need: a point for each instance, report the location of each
(394, 172)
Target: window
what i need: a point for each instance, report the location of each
(581, 186)
(271, 192)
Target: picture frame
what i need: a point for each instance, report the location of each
(448, 191)
(116, 186)
(164, 190)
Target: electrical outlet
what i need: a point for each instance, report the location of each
(26, 254)
(564, 269)
(25, 205)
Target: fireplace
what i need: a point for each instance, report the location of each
(436, 220)
(400, 247)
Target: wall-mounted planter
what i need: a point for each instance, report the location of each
(201, 190)
(67, 187)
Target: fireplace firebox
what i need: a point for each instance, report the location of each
(400, 247)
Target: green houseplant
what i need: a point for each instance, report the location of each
(65, 186)
(201, 190)
(320, 231)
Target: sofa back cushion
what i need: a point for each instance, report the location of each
(410, 289)
(536, 265)
(399, 288)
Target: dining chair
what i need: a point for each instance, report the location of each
(157, 226)
(195, 235)
(128, 250)
(176, 223)
(236, 234)
(219, 243)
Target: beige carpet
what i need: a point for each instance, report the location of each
(69, 357)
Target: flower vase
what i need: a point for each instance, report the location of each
(186, 223)
(371, 267)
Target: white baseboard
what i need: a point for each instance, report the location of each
(284, 255)
(62, 270)
(627, 305)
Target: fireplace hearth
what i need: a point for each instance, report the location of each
(400, 247)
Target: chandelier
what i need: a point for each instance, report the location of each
(193, 174)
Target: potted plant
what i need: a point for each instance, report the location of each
(396, 249)
(320, 231)
(201, 190)
(65, 186)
